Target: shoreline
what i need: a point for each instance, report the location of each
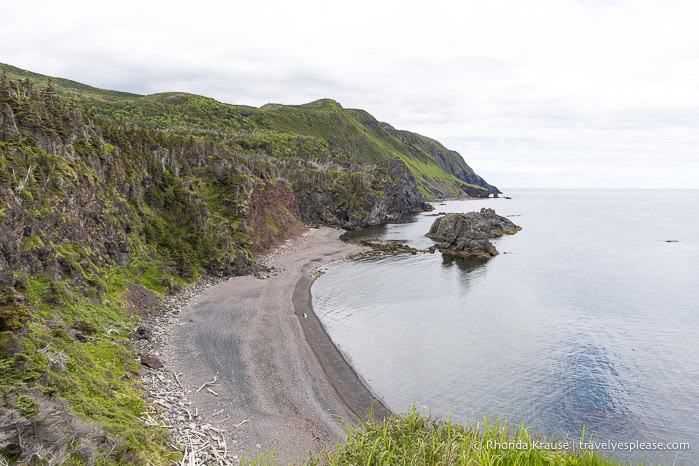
(282, 385)
(348, 384)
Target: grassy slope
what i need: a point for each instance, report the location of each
(65, 86)
(99, 381)
(412, 438)
(74, 200)
(354, 134)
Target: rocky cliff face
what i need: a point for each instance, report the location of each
(449, 161)
(468, 234)
(402, 195)
(273, 216)
(392, 191)
(474, 192)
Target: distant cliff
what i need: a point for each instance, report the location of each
(329, 131)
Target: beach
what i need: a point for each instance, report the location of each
(281, 386)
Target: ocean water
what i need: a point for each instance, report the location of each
(591, 318)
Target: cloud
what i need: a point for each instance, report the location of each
(542, 94)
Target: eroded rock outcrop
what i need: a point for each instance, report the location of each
(393, 191)
(468, 234)
(274, 216)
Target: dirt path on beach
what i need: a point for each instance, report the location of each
(282, 381)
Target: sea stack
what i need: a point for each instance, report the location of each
(467, 235)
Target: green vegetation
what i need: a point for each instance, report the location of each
(324, 128)
(106, 194)
(271, 224)
(90, 211)
(65, 86)
(13, 314)
(434, 180)
(31, 242)
(413, 438)
(98, 379)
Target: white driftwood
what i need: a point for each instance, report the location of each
(205, 384)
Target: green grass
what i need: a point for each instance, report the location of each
(271, 224)
(434, 181)
(99, 380)
(413, 438)
(31, 242)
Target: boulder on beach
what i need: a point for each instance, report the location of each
(143, 333)
(468, 234)
(151, 361)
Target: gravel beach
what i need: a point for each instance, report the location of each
(281, 385)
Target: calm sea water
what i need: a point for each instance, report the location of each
(591, 318)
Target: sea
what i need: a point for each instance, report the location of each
(588, 319)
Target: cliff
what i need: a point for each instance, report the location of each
(327, 130)
(109, 201)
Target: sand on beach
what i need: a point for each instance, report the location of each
(282, 384)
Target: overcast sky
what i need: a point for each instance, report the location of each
(558, 93)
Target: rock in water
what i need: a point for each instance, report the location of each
(468, 234)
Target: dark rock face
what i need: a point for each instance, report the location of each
(273, 216)
(140, 299)
(399, 194)
(475, 192)
(468, 234)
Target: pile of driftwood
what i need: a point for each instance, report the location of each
(201, 443)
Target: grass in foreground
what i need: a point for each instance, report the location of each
(413, 438)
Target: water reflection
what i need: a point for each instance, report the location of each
(466, 264)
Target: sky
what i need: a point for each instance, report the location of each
(533, 94)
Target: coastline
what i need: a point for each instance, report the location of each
(282, 384)
(348, 384)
